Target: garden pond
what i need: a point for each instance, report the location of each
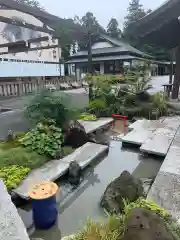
(75, 206)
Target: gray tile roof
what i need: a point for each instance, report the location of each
(119, 47)
(123, 44)
(101, 50)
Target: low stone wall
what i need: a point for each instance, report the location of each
(166, 188)
(11, 225)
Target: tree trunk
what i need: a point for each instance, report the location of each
(176, 84)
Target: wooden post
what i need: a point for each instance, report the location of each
(176, 84)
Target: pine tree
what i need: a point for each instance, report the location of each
(32, 3)
(90, 23)
(113, 28)
(135, 12)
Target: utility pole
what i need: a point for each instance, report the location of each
(89, 53)
(90, 71)
(59, 54)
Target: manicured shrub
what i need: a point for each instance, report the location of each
(97, 107)
(13, 175)
(97, 104)
(159, 102)
(47, 105)
(44, 139)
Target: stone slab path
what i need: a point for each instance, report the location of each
(91, 126)
(160, 140)
(165, 189)
(56, 168)
(142, 130)
(142, 123)
(11, 225)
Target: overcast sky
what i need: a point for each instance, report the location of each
(102, 9)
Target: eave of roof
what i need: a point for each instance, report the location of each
(160, 26)
(29, 10)
(103, 58)
(96, 51)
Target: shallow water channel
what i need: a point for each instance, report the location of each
(75, 206)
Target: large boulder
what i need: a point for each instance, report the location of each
(124, 187)
(143, 224)
(75, 135)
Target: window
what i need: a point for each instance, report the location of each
(54, 54)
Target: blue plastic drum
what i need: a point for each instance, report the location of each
(44, 205)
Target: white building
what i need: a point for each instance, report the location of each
(27, 48)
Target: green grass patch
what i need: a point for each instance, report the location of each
(22, 157)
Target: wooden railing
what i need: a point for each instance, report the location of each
(23, 87)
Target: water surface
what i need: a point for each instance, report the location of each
(76, 206)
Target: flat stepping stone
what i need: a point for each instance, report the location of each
(48, 172)
(54, 169)
(86, 154)
(11, 225)
(161, 139)
(137, 137)
(91, 126)
(142, 123)
(143, 130)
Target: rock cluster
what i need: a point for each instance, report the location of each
(143, 224)
(124, 187)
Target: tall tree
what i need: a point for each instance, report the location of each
(135, 12)
(89, 22)
(32, 3)
(113, 28)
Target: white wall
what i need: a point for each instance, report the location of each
(23, 69)
(12, 33)
(101, 45)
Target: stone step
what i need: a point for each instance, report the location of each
(143, 130)
(91, 126)
(142, 123)
(161, 139)
(54, 169)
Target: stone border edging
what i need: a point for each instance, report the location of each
(11, 225)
